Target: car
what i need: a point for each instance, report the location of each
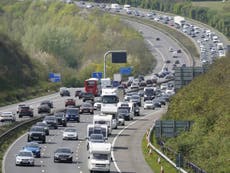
(177, 62)
(134, 86)
(61, 119)
(45, 126)
(156, 103)
(141, 93)
(127, 96)
(34, 147)
(70, 102)
(44, 108)
(86, 108)
(136, 109)
(171, 49)
(63, 154)
(25, 111)
(72, 114)
(95, 138)
(25, 158)
(148, 104)
(36, 133)
(157, 39)
(64, 92)
(7, 116)
(51, 121)
(19, 107)
(78, 93)
(70, 133)
(121, 120)
(168, 61)
(97, 103)
(126, 111)
(47, 102)
(88, 96)
(136, 99)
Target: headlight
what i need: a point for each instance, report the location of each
(56, 155)
(18, 159)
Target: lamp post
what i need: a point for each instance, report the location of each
(118, 56)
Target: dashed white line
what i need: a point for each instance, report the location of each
(114, 140)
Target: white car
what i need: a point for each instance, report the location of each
(25, 157)
(70, 133)
(7, 116)
(19, 106)
(148, 104)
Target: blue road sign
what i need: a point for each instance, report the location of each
(125, 70)
(55, 77)
(97, 75)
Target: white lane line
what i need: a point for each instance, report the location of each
(114, 140)
(7, 152)
(162, 56)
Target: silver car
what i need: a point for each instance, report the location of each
(25, 157)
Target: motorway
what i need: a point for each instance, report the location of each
(127, 154)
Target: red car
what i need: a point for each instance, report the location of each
(70, 102)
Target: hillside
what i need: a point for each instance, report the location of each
(206, 102)
(63, 38)
(16, 68)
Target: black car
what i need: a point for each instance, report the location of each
(86, 108)
(136, 109)
(63, 155)
(46, 127)
(78, 93)
(36, 133)
(88, 96)
(61, 119)
(65, 93)
(51, 121)
(44, 108)
(25, 111)
(47, 102)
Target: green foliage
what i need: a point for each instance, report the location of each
(213, 13)
(205, 101)
(63, 38)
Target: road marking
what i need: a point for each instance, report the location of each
(43, 170)
(114, 140)
(162, 56)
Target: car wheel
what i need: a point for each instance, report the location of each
(20, 116)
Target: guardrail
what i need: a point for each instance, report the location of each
(10, 132)
(159, 152)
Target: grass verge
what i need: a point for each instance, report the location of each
(152, 159)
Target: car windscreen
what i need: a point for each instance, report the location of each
(109, 99)
(27, 154)
(72, 111)
(100, 156)
(149, 92)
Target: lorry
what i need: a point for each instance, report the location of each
(99, 158)
(179, 21)
(105, 82)
(115, 6)
(109, 105)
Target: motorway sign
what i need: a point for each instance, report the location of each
(119, 57)
(97, 75)
(55, 77)
(125, 70)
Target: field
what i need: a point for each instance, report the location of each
(219, 6)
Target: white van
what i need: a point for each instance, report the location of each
(127, 7)
(99, 158)
(104, 119)
(97, 129)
